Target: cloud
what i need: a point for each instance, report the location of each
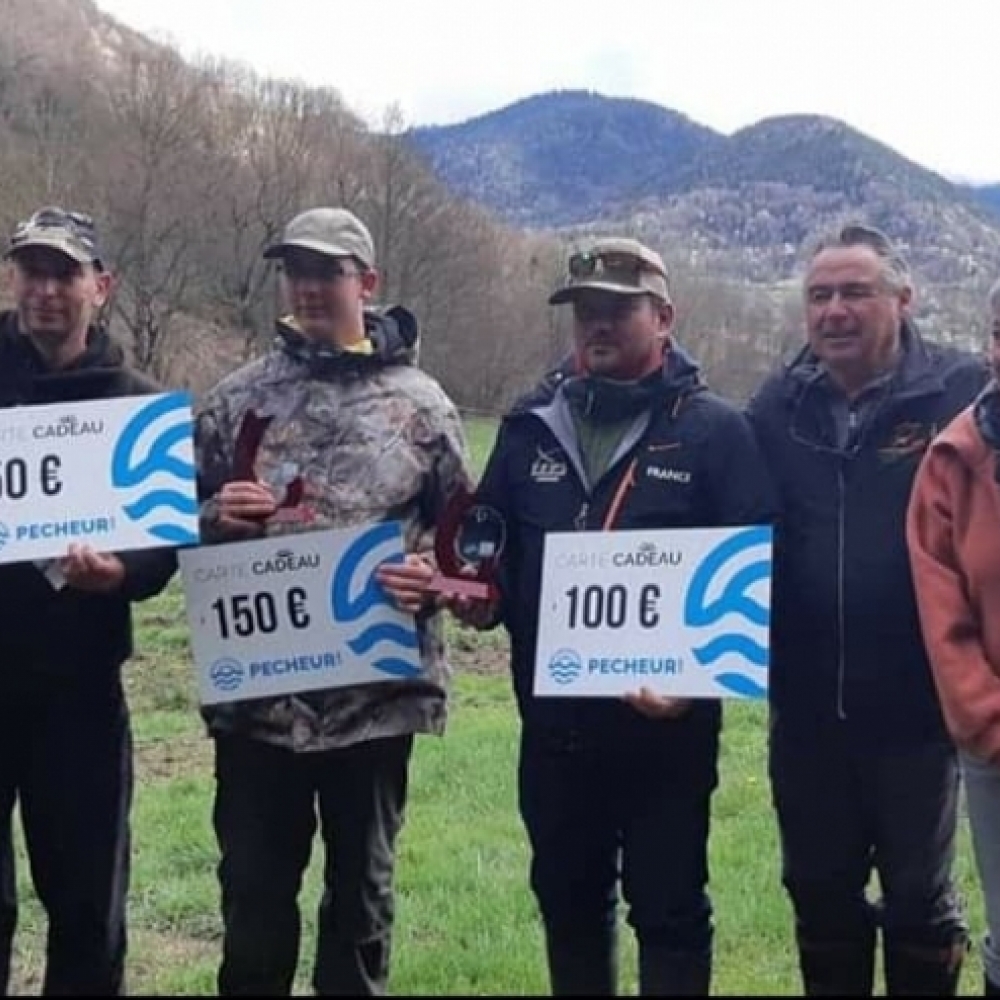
(920, 79)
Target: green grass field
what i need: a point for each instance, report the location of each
(466, 922)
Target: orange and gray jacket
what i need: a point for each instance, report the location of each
(358, 438)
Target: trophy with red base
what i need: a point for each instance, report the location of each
(247, 445)
(468, 543)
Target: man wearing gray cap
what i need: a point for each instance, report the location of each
(624, 436)
(334, 427)
(65, 631)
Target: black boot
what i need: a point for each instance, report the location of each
(582, 965)
(664, 972)
(838, 968)
(990, 988)
(914, 971)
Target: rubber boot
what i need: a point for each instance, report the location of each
(838, 968)
(582, 965)
(664, 972)
(919, 971)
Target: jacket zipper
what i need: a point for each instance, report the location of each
(852, 430)
(841, 613)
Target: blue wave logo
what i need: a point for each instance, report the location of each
(226, 674)
(722, 588)
(4, 534)
(355, 573)
(152, 461)
(565, 666)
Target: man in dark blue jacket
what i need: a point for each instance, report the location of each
(65, 631)
(625, 437)
(863, 775)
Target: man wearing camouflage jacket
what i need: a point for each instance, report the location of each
(335, 427)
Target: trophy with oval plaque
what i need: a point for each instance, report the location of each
(289, 484)
(468, 544)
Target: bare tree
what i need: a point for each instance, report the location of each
(159, 181)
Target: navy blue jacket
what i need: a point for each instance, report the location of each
(696, 465)
(846, 647)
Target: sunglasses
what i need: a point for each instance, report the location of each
(78, 223)
(609, 308)
(45, 266)
(611, 264)
(317, 269)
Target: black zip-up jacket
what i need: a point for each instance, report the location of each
(846, 643)
(48, 635)
(696, 465)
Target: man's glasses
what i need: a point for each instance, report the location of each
(318, 269)
(853, 292)
(46, 266)
(608, 308)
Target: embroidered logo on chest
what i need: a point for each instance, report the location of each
(548, 468)
(668, 475)
(907, 439)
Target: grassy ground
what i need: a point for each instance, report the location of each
(466, 921)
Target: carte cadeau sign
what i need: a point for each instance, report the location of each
(113, 474)
(468, 543)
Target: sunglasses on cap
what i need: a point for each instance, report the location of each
(616, 264)
(78, 223)
(75, 228)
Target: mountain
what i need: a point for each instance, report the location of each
(741, 206)
(69, 35)
(772, 185)
(552, 158)
(988, 195)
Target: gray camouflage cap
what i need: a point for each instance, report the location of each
(70, 233)
(331, 231)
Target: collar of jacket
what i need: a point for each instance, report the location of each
(392, 332)
(986, 415)
(680, 378)
(22, 364)
(915, 375)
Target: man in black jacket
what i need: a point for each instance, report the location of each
(863, 775)
(65, 631)
(617, 789)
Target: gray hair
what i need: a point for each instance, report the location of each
(895, 270)
(993, 297)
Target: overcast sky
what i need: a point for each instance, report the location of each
(922, 78)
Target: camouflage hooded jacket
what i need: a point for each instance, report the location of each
(364, 437)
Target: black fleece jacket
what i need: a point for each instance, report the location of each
(66, 635)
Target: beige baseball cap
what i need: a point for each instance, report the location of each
(614, 264)
(335, 232)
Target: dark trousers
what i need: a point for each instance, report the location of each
(846, 811)
(66, 759)
(632, 813)
(265, 814)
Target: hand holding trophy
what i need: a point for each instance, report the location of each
(468, 544)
